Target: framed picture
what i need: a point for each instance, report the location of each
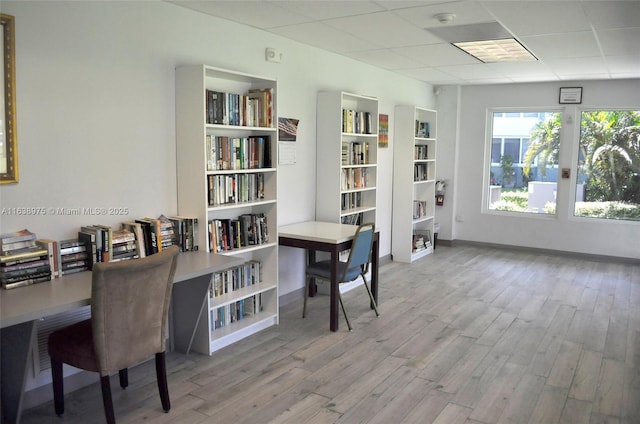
(570, 95)
(383, 130)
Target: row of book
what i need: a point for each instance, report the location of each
(254, 109)
(421, 152)
(353, 219)
(236, 311)
(422, 129)
(235, 188)
(420, 172)
(24, 260)
(350, 200)
(235, 278)
(246, 230)
(357, 122)
(354, 178)
(419, 209)
(234, 153)
(355, 153)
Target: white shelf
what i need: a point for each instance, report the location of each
(406, 189)
(192, 124)
(331, 139)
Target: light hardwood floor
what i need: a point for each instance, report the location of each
(467, 335)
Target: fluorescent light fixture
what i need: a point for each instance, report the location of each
(504, 50)
(487, 42)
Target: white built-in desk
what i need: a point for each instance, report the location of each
(20, 308)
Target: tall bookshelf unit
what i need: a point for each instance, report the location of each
(197, 174)
(414, 180)
(347, 154)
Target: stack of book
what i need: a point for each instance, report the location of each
(73, 256)
(22, 260)
(421, 241)
(124, 245)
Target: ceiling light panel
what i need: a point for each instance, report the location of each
(503, 50)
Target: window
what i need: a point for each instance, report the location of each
(524, 161)
(608, 177)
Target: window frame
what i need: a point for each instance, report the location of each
(575, 152)
(487, 160)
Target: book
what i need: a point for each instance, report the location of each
(136, 229)
(15, 237)
(53, 252)
(24, 256)
(90, 240)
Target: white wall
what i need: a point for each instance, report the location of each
(95, 111)
(562, 232)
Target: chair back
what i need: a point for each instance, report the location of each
(360, 253)
(129, 308)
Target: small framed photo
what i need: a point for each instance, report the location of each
(570, 95)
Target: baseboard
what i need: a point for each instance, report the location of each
(590, 256)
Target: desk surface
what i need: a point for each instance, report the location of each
(323, 232)
(74, 291)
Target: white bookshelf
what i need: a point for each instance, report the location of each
(414, 178)
(194, 176)
(346, 186)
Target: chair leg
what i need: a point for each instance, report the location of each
(124, 378)
(344, 311)
(306, 295)
(373, 302)
(58, 386)
(105, 384)
(163, 388)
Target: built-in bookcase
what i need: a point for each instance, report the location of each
(414, 179)
(347, 156)
(226, 129)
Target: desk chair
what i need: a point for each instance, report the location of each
(128, 324)
(357, 265)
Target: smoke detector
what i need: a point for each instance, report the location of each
(445, 18)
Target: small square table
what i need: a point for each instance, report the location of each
(318, 236)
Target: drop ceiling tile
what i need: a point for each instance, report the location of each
(384, 58)
(536, 17)
(575, 44)
(617, 42)
(431, 75)
(577, 66)
(437, 55)
(325, 37)
(321, 10)
(385, 29)
(523, 70)
(467, 12)
(476, 71)
(613, 14)
(259, 14)
(623, 64)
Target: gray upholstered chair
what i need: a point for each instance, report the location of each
(129, 308)
(357, 265)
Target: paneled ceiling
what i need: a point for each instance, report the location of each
(572, 40)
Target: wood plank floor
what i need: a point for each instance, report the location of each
(467, 335)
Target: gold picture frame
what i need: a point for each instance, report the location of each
(8, 134)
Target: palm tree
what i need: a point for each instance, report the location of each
(610, 145)
(544, 145)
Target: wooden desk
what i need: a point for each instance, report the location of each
(20, 308)
(333, 238)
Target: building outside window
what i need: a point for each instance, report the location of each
(524, 161)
